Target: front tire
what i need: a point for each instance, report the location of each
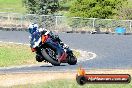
(49, 59)
(38, 58)
(72, 60)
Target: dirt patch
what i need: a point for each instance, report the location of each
(7, 80)
(31, 78)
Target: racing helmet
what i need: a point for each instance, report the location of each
(32, 28)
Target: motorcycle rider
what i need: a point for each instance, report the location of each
(36, 33)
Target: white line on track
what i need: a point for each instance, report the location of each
(14, 43)
(85, 55)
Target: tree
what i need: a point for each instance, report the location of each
(96, 8)
(41, 6)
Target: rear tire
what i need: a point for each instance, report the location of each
(49, 59)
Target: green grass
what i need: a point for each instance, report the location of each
(68, 83)
(12, 6)
(11, 54)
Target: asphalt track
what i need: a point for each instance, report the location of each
(113, 51)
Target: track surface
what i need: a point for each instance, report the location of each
(113, 51)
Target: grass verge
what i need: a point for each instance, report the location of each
(57, 79)
(12, 6)
(14, 54)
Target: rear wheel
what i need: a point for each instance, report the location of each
(50, 56)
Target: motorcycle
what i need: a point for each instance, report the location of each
(47, 54)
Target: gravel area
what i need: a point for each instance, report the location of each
(8, 80)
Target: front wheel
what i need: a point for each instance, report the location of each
(48, 56)
(39, 58)
(72, 60)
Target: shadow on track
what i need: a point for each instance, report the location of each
(52, 66)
